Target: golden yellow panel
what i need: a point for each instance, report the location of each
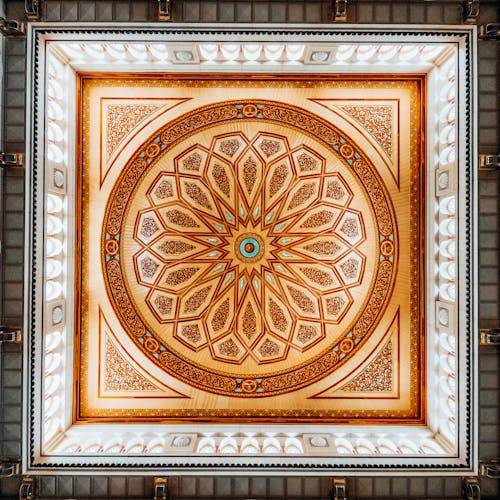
(250, 249)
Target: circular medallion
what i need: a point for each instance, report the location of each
(250, 260)
(249, 247)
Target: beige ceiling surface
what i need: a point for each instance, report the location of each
(250, 249)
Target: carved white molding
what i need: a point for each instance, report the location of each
(446, 445)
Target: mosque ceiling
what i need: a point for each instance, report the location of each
(250, 249)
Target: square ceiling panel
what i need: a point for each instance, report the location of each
(259, 249)
(248, 258)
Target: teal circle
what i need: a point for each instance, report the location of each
(255, 250)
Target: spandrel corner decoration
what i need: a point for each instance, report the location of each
(251, 262)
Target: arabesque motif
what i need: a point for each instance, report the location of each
(250, 236)
(257, 246)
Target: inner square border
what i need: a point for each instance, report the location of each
(415, 413)
(462, 459)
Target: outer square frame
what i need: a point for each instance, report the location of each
(447, 445)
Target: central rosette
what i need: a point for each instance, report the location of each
(251, 250)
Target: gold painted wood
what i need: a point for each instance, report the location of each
(254, 247)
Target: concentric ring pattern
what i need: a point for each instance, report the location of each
(262, 254)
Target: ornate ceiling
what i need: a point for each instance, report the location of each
(250, 249)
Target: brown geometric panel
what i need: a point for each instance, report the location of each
(249, 248)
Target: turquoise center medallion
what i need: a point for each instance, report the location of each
(249, 247)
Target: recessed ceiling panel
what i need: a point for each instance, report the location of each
(250, 249)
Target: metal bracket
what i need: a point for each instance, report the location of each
(489, 162)
(11, 27)
(470, 11)
(490, 31)
(12, 160)
(9, 467)
(164, 10)
(160, 488)
(339, 489)
(490, 468)
(339, 11)
(32, 9)
(471, 489)
(27, 488)
(9, 334)
(489, 336)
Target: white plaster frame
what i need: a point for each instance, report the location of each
(447, 445)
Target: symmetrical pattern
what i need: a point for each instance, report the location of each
(377, 120)
(377, 376)
(121, 119)
(119, 375)
(357, 447)
(249, 249)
